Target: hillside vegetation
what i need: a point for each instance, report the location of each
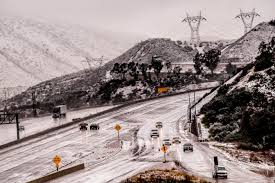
(245, 110)
(78, 89)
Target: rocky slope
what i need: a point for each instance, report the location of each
(245, 49)
(32, 51)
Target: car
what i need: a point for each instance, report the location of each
(219, 171)
(159, 125)
(187, 147)
(200, 139)
(176, 140)
(154, 133)
(94, 127)
(167, 142)
(76, 119)
(83, 126)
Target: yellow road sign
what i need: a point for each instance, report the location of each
(118, 127)
(57, 160)
(162, 90)
(164, 148)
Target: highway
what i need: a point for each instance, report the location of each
(105, 161)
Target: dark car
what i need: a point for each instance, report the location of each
(83, 126)
(94, 127)
(187, 147)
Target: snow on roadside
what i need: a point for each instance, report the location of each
(249, 159)
(35, 125)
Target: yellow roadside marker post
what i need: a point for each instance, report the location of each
(164, 149)
(117, 128)
(56, 161)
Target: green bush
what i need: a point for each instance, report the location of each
(272, 22)
(223, 89)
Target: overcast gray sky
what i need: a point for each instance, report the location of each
(154, 18)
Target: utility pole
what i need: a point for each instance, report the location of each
(8, 118)
(247, 19)
(194, 24)
(34, 104)
(17, 126)
(195, 102)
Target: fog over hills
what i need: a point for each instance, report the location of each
(32, 51)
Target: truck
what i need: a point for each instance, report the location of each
(59, 111)
(219, 171)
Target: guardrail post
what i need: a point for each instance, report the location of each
(17, 126)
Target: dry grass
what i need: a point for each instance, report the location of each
(164, 176)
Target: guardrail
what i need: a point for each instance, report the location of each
(126, 104)
(58, 174)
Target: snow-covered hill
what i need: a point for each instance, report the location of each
(168, 49)
(32, 51)
(245, 49)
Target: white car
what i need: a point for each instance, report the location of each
(219, 171)
(159, 125)
(167, 142)
(154, 133)
(176, 140)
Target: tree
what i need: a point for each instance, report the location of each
(157, 65)
(123, 69)
(115, 70)
(149, 73)
(168, 67)
(133, 70)
(211, 59)
(179, 42)
(176, 71)
(198, 63)
(143, 68)
(231, 69)
(266, 57)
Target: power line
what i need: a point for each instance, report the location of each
(194, 24)
(247, 19)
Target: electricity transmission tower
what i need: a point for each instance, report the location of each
(194, 24)
(247, 19)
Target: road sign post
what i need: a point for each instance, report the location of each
(164, 149)
(56, 161)
(117, 128)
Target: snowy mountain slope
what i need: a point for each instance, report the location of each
(168, 49)
(34, 51)
(245, 49)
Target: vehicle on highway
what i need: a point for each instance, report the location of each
(76, 119)
(159, 125)
(83, 126)
(219, 171)
(154, 133)
(59, 111)
(187, 147)
(200, 139)
(176, 140)
(94, 127)
(167, 142)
